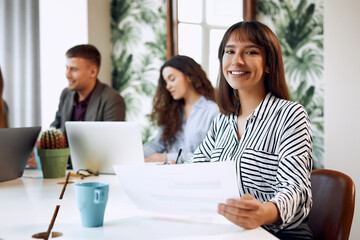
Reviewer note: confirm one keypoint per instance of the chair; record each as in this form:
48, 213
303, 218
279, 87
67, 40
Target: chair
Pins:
333, 204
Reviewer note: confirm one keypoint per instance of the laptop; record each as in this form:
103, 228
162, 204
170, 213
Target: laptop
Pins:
97, 146
16, 145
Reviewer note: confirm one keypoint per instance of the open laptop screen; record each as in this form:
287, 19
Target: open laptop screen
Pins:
97, 146
16, 145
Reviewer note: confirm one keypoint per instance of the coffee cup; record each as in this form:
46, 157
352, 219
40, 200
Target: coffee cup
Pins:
91, 199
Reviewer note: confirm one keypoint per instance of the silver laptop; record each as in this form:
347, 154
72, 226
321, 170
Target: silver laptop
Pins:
97, 146
16, 145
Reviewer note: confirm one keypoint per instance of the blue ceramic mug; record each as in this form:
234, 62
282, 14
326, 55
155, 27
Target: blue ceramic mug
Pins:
91, 199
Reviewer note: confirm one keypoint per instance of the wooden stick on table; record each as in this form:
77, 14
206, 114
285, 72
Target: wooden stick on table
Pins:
57, 208
64, 187
52, 221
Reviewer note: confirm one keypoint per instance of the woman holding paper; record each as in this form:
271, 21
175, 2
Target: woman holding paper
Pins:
184, 109
267, 136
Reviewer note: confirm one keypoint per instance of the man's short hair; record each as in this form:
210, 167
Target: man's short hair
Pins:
86, 51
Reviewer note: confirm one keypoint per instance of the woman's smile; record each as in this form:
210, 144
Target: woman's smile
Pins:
243, 64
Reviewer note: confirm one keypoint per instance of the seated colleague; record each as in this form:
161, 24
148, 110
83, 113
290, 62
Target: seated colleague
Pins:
86, 98
268, 137
183, 107
4, 120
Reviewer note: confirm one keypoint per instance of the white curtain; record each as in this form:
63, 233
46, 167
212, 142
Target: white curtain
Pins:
19, 60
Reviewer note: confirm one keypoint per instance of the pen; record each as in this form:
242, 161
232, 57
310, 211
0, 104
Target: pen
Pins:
177, 159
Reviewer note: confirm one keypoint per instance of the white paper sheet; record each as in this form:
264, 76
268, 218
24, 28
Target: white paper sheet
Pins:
184, 189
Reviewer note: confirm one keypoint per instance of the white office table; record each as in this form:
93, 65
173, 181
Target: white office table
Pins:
27, 205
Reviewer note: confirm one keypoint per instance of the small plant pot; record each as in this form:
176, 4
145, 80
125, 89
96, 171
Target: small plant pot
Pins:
54, 162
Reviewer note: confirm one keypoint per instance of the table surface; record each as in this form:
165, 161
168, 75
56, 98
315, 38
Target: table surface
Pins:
28, 203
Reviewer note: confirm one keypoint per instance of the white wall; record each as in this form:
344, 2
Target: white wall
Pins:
64, 24
342, 93
99, 34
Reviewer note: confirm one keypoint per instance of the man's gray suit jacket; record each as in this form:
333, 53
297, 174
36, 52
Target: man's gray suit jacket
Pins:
105, 104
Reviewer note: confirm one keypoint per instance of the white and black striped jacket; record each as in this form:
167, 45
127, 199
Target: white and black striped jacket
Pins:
273, 157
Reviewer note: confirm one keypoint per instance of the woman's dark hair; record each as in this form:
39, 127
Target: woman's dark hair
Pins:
168, 112
274, 80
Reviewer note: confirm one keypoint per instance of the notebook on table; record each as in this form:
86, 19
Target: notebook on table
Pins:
97, 146
16, 145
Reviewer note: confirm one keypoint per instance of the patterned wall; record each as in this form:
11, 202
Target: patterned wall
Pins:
299, 27
138, 29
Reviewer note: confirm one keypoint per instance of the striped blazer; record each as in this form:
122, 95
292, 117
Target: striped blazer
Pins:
273, 157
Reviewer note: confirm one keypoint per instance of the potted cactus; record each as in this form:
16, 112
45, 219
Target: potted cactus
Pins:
53, 153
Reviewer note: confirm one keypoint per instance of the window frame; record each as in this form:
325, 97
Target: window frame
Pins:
173, 23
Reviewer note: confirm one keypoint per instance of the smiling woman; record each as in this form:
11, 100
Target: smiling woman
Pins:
239, 75
268, 137
245, 41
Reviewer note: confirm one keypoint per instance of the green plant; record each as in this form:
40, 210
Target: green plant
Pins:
52, 139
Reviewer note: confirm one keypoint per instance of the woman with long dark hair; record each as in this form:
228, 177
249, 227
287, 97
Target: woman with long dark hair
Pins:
183, 108
267, 136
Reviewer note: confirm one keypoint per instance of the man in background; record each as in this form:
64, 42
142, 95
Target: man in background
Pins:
86, 98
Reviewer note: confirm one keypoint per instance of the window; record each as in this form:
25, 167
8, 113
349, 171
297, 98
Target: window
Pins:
200, 27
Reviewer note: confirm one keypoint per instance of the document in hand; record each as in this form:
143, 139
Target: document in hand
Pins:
186, 189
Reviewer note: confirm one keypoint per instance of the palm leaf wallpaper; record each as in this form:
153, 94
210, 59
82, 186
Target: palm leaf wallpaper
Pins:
299, 27
138, 29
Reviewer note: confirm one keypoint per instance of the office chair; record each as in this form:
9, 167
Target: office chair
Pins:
333, 204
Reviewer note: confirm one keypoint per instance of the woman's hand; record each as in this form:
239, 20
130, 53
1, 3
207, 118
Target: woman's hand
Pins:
157, 157
248, 212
